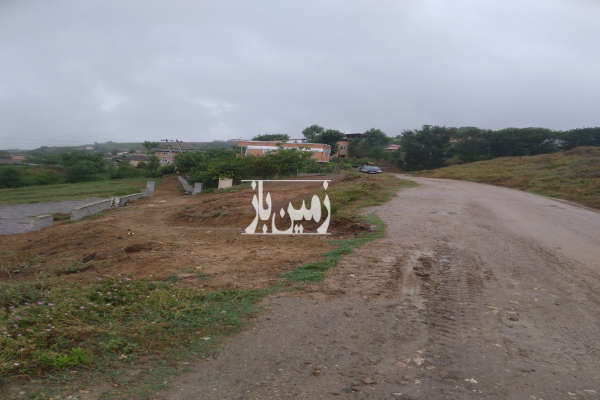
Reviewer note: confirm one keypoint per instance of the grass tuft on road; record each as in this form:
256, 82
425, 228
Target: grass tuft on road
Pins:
72, 191
571, 175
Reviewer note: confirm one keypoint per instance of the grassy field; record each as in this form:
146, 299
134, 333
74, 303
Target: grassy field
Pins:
571, 175
71, 191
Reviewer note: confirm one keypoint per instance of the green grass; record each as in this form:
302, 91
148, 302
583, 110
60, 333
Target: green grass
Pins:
315, 271
72, 191
72, 267
48, 326
571, 175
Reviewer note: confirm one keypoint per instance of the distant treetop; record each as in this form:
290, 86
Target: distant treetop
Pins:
272, 137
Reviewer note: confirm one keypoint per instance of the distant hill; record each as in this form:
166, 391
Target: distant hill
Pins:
117, 147
571, 175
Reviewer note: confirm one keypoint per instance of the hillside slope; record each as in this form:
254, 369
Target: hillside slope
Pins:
571, 175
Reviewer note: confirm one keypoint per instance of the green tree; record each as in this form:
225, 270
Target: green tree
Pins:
80, 171
330, 137
579, 137
10, 177
424, 149
95, 160
370, 144
375, 138
272, 137
152, 166
150, 145
312, 132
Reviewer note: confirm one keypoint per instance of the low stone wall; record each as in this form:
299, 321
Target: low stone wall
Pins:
91, 209
186, 186
98, 206
121, 201
42, 221
9, 226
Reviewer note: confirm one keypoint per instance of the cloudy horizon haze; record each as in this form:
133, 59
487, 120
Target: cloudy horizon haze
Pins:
77, 72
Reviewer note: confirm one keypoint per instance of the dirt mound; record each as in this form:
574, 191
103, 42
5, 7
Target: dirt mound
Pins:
235, 208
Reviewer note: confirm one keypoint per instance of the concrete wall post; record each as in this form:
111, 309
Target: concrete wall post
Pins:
197, 188
225, 183
149, 192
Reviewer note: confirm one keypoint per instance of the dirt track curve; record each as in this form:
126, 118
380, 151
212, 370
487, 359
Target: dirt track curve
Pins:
476, 292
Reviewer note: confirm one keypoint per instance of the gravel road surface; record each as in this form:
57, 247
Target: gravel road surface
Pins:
476, 292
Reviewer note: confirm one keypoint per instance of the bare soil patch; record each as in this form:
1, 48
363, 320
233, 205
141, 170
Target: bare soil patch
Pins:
174, 234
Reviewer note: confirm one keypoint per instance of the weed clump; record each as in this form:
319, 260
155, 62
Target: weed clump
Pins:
46, 326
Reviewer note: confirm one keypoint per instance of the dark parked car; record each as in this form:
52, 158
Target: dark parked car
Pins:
370, 169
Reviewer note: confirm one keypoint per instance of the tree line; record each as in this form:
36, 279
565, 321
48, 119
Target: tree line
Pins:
211, 165
436, 146
75, 166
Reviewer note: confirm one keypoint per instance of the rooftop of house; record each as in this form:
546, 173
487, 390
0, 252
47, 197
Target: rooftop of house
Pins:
243, 143
137, 157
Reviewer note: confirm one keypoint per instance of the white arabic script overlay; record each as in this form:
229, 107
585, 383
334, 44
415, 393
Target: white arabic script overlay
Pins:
263, 208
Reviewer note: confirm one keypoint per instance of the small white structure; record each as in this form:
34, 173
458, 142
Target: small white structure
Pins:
150, 185
197, 188
225, 183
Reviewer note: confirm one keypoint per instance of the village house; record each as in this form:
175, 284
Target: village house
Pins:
135, 159
166, 156
342, 149
320, 152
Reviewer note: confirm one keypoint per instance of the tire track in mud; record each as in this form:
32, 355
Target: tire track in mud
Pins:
453, 283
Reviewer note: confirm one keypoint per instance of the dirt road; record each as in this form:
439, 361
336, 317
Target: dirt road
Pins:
476, 292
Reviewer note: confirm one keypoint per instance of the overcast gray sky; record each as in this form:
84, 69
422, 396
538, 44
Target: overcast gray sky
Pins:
79, 71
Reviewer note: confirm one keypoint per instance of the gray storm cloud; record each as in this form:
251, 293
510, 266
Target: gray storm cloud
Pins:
75, 72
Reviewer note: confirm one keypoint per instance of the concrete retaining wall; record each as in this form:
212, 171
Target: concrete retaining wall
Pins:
42, 221
98, 206
9, 226
91, 209
121, 201
186, 186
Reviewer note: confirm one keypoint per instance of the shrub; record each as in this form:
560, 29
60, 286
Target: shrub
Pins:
80, 171
209, 166
10, 177
124, 171
167, 170
47, 177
